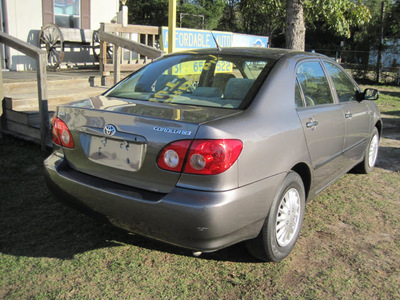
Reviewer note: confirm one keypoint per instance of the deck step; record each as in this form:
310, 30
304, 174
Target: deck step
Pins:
26, 137
20, 106
31, 86
31, 118
29, 101
23, 129
22, 87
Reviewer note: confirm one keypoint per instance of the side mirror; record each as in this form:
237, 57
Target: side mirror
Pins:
368, 94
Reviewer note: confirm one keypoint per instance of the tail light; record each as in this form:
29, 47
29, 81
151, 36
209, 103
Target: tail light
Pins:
60, 133
205, 157
172, 157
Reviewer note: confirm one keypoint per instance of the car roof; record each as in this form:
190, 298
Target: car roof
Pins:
272, 53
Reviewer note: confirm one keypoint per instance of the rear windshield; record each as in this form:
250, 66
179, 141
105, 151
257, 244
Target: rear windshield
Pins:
199, 80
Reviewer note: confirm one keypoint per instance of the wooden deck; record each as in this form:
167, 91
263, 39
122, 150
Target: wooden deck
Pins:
20, 116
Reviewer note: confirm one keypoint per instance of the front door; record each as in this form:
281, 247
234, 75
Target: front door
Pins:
323, 123
355, 113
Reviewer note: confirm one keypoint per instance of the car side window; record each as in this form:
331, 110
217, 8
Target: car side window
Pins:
345, 88
314, 83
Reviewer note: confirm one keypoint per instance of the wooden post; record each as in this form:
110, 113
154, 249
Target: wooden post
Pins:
171, 25
103, 58
117, 66
41, 62
146, 42
103, 54
380, 47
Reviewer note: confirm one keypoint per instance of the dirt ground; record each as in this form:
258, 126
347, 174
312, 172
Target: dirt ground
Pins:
389, 146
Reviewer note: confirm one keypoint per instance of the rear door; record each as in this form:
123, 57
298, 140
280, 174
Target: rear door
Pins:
322, 121
355, 113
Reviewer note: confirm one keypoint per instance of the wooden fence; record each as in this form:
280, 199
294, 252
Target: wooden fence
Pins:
139, 53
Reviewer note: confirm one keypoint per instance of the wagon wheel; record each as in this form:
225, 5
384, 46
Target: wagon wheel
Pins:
96, 47
52, 40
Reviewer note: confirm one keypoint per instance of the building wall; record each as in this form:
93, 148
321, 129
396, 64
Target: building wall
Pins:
102, 11
24, 23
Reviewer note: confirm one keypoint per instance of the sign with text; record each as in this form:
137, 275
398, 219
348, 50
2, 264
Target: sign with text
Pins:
196, 67
194, 39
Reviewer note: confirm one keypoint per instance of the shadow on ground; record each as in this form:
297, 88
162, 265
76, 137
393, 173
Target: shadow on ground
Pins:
51, 230
33, 224
393, 113
390, 93
389, 158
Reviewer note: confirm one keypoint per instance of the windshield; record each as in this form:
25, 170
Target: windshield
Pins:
199, 80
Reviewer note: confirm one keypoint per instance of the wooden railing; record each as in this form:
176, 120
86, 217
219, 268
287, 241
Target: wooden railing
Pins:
140, 52
41, 62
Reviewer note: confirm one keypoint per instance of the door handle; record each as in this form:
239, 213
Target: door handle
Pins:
312, 124
348, 115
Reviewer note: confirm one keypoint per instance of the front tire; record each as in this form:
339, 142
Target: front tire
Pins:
282, 226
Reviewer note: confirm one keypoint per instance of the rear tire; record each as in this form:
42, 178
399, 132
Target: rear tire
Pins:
282, 226
370, 156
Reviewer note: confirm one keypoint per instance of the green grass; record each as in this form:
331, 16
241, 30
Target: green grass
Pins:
389, 99
349, 245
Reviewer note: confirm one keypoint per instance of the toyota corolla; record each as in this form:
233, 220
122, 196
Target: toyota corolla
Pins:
208, 148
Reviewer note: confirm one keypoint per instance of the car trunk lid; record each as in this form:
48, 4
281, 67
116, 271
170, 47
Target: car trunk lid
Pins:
119, 140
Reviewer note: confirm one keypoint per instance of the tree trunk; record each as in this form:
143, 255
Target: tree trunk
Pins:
380, 48
295, 28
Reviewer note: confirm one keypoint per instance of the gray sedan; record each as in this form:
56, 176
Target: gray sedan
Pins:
208, 148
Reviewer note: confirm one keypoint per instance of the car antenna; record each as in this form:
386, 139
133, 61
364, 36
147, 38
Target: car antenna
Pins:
215, 40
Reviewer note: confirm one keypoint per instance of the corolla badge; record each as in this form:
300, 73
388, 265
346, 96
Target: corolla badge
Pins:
172, 130
109, 129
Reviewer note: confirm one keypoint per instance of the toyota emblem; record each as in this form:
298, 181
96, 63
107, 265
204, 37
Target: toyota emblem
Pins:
109, 130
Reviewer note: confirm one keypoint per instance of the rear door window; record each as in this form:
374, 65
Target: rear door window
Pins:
314, 83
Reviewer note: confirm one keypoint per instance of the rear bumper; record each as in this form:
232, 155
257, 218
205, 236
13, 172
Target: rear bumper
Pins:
198, 220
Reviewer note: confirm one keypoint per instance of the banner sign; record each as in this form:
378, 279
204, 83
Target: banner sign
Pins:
247, 40
194, 39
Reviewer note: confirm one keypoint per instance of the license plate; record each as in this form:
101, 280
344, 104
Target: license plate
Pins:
118, 154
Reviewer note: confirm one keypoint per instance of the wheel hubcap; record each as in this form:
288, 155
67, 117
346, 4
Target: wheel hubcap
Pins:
373, 150
288, 217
